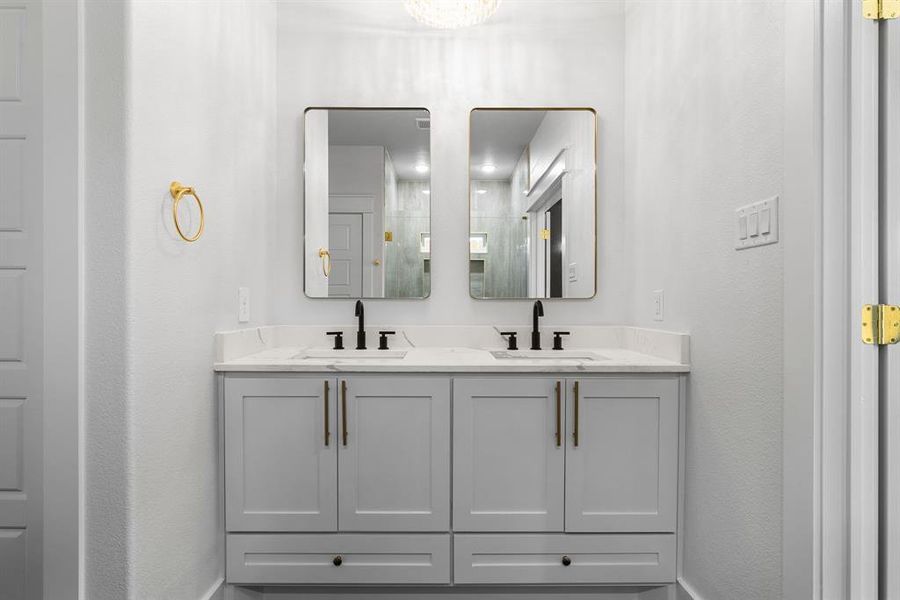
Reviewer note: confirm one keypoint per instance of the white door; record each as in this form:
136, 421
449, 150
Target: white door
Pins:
394, 454
622, 455
508, 455
20, 301
345, 243
890, 274
280, 454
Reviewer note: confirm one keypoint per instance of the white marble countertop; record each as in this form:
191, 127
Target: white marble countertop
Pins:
415, 350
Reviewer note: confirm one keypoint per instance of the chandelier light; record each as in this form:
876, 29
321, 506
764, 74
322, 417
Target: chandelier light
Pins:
451, 14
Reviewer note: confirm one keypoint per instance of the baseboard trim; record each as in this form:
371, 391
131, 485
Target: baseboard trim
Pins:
216, 592
686, 591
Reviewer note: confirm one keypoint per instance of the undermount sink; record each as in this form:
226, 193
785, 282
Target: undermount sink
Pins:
318, 353
546, 355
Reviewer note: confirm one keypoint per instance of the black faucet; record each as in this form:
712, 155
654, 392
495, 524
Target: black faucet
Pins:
535, 332
361, 332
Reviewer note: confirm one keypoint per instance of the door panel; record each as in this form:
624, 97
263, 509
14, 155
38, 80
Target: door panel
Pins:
21, 301
622, 474
395, 465
345, 243
281, 473
888, 521
508, 472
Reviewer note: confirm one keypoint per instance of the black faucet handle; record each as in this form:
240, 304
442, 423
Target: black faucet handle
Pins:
382, 340
513, 343
338, 339
557, 339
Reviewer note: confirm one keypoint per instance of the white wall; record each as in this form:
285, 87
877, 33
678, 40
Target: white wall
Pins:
704, 121
175, 90
371, 53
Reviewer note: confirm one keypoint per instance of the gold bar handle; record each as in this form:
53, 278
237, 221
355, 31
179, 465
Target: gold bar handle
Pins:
558, 414
575, 426
327, 416
344, 411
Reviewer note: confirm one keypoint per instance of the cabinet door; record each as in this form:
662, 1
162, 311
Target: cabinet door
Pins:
508, 468
622, 455
280, 454
394, 463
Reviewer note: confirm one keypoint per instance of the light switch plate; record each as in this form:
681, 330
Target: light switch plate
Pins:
573, 272
243, 305
756, 224
658, 301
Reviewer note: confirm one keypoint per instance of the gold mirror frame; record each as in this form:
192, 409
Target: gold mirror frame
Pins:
596, 196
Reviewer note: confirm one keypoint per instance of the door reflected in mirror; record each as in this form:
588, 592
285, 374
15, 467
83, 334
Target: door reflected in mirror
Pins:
532, 203
367, 204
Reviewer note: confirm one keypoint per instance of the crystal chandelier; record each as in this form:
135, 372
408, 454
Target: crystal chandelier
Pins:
451, 14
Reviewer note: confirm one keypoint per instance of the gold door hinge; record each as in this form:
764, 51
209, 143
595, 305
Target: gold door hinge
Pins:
881, 9
880, 324
545, 234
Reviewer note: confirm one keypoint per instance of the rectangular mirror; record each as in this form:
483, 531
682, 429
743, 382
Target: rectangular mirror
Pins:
367, 187
532, 203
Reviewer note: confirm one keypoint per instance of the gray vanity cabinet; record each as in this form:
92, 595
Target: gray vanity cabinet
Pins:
622, 454
346, 480
280, 454
509, 466
337, 454
613, 467
394, 465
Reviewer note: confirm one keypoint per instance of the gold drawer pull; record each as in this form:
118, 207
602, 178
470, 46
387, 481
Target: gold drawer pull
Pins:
344, 411
575, 426
327, 416
558, 414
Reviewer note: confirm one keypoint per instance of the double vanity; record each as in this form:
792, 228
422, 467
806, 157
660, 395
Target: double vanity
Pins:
449, 459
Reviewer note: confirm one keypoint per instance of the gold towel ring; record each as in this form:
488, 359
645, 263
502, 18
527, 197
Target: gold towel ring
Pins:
326, 264
178, 192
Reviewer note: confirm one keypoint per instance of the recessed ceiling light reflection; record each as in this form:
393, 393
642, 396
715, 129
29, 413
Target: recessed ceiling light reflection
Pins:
481, 191
488, 168
421, 168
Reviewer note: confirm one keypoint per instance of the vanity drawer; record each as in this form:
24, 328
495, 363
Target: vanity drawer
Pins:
540, 558
311, 559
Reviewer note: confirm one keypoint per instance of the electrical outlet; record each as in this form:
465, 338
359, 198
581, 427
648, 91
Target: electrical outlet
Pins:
243, 305
657, 305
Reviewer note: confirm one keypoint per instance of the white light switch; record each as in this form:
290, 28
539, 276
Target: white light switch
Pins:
753, 224
756, 224
657, 305
573, 272
243, 305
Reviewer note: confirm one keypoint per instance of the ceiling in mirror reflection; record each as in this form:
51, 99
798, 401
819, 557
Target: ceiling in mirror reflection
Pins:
400, 132
498, 139
367, 208
532, 203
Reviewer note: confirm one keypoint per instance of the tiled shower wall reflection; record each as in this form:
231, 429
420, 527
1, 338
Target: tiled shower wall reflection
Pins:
503, 272
407, 216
